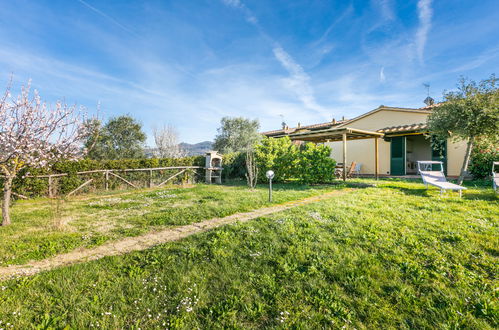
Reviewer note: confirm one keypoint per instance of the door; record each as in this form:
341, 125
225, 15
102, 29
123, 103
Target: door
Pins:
397, 159
439, 153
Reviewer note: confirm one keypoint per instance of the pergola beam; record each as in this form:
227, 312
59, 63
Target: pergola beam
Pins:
376, 158
341, 134
345, 156
335, 134
331, 139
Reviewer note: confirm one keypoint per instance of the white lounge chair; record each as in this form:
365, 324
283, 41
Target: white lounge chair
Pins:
495, 176
436, 178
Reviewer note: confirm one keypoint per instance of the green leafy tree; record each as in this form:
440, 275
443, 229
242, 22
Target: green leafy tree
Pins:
120, 138
236, 135
278, 155
470, 113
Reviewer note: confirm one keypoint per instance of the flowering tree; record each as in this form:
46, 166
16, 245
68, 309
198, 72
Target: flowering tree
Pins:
167, 143
34, 134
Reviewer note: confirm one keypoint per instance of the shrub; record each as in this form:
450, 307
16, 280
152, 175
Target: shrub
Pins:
315, 164
279, 155
39, 186
233, 165
481, 160
309, 163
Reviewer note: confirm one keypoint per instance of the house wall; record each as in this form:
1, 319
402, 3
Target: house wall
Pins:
387, 118
455, 157
362, 151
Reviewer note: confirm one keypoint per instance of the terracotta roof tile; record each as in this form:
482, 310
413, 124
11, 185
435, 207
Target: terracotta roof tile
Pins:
306, 127
403, 128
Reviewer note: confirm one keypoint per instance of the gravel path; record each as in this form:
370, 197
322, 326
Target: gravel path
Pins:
149, 240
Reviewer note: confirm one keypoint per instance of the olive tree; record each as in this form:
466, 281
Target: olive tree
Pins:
469, 113
35, 134
240, 135
236, 134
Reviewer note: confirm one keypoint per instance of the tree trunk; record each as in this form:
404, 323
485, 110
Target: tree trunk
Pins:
251, 169
7, 190
466, 161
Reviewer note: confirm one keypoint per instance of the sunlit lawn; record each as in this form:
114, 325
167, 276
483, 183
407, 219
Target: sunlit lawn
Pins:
395, 256
44, 227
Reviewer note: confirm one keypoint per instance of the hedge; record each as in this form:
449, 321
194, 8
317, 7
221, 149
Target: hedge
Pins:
32, 187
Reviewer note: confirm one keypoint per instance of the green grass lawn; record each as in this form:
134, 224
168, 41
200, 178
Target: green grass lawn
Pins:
394, 256
44, 227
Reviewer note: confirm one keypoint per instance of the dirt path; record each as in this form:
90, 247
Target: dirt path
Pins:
149, 240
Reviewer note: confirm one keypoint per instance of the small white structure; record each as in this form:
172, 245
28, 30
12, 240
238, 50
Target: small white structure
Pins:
213, 167
495, 176
436, 178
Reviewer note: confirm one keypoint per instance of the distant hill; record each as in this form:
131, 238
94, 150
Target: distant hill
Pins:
197, 148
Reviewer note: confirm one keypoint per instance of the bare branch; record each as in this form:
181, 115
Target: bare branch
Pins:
167, 143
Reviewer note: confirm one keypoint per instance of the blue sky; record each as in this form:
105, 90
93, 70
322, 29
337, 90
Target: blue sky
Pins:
189, 63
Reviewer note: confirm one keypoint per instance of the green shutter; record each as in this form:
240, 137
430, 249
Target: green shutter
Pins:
439, 153
397, 161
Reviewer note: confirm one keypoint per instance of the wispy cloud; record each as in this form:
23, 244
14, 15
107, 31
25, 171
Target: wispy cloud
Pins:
247, 12
425, 13
478, 61
233, 3
382, 77
346, 13
299, 80
385, 7
109, 18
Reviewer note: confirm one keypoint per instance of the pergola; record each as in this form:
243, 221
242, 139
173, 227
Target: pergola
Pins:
341, 134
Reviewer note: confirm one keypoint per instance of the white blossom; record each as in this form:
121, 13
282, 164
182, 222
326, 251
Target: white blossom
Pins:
33, 134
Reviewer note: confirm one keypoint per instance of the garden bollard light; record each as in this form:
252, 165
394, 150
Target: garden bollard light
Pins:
270, 176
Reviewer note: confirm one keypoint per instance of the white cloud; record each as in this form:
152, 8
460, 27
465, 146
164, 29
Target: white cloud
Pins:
247, 12
233, 3
299, 80
425, 13
109, 18
478, 61
346, 13
382, 77
385, 6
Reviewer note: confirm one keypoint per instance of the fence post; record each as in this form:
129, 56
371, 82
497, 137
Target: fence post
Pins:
107, 180
50, 187
150, 178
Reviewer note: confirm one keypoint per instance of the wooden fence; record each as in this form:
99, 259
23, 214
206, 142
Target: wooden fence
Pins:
189, 171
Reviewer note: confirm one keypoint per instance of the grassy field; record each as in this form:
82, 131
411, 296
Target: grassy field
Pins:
44, 227
391, 256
